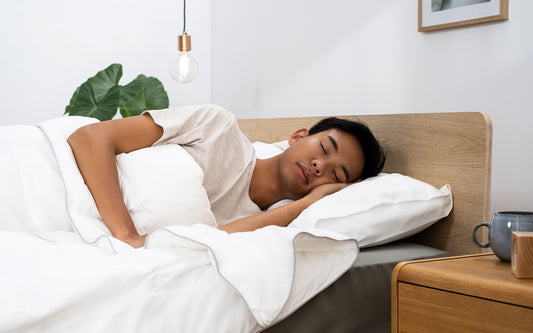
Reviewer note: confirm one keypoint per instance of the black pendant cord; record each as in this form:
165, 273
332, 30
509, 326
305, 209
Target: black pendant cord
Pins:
183, 16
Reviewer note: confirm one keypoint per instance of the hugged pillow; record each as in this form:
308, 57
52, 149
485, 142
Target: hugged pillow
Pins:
375, 211
163, 186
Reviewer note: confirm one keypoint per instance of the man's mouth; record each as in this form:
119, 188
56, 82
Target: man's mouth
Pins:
303, 173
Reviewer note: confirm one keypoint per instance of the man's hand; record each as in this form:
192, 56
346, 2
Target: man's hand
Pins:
134, 240
325, 189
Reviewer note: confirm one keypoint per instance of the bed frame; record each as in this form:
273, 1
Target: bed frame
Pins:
438, 148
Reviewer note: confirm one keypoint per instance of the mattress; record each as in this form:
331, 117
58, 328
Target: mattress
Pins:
359, 301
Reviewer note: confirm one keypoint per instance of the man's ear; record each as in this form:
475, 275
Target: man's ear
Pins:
301, 133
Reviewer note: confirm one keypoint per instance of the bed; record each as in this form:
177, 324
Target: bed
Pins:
195, 278
438, 148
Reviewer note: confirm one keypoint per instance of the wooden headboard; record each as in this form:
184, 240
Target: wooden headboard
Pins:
438, 148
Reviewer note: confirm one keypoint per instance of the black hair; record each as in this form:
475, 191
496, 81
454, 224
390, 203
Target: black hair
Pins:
374, 155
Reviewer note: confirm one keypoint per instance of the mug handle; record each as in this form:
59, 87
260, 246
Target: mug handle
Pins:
474, 238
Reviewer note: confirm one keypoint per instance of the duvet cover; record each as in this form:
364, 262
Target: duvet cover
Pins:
62, 271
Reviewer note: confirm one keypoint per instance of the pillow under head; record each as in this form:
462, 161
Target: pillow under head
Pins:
375, 211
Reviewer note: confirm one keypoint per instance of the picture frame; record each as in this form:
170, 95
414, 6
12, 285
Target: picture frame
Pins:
443, 14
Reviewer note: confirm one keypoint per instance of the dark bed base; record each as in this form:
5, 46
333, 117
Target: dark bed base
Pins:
360, 300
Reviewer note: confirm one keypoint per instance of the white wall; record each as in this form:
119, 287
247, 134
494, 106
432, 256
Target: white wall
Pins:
284, 58
48, 48
297, 57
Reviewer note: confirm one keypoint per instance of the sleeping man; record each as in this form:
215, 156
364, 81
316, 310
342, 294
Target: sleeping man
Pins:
319, 161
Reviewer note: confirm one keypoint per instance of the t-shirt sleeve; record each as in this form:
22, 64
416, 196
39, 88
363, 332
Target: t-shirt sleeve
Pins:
189, 125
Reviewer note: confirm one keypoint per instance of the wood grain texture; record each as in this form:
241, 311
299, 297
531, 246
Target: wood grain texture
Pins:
522, 254
438, 148
431, 310
474, 293
483, 276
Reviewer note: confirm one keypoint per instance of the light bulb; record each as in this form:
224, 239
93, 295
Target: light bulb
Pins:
184, 68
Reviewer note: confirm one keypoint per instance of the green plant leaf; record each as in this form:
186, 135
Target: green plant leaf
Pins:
99, 96
143, 93
72, 101
128, 92
104, 109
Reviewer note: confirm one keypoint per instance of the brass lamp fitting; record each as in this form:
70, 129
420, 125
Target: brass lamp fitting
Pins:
184, 42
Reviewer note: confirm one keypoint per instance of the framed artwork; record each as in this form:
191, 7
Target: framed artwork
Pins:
441, 14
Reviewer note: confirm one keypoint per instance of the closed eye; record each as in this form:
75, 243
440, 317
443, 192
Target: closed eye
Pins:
334, 173
323, 149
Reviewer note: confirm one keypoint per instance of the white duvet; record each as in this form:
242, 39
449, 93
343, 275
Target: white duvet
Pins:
61, 271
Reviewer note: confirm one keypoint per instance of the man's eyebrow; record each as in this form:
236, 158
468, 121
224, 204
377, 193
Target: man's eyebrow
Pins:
336, 147
334, 143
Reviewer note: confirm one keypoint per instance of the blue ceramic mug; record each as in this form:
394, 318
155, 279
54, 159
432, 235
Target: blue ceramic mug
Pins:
500, 231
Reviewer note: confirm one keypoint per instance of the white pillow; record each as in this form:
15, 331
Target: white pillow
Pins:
377, 210
163, 186
267, 150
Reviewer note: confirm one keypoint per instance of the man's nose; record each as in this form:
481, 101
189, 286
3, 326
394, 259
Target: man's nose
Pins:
318, 167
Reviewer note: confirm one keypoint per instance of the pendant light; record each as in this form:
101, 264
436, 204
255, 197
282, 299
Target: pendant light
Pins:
184, 68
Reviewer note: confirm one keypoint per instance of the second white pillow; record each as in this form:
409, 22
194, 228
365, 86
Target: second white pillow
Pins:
379, 210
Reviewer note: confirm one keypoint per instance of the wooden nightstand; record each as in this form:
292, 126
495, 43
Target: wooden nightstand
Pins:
476, 293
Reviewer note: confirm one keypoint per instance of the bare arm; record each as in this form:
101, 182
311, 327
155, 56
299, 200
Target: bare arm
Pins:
282, 216
94, 147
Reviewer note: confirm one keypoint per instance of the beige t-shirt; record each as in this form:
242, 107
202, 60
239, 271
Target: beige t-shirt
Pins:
210, 134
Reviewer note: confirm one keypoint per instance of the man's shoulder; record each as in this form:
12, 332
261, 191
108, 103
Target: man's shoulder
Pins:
202, 112
219, 111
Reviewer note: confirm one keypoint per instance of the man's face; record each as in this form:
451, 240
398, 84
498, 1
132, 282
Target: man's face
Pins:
331, 156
